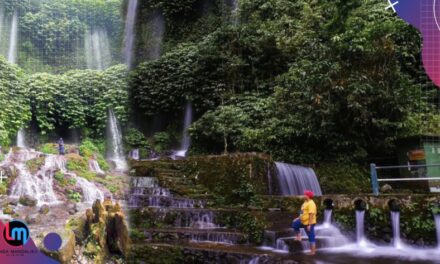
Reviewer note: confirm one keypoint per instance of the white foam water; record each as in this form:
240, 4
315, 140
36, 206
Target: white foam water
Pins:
12, 52
115, 151
21, 139
129, 33
94, 167
294, 180
97, 49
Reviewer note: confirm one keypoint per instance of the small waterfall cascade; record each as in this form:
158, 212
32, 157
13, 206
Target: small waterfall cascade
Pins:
360, 227
129, 32
281, 245
40, 185
146, 192
90, 191
328, 217
233, 5
294, 180
8, 35
21, 139
186, 140
115, 151
203, 220
437, 226
97, 49
94, 166
13, 39
215, 237
395, 222
134, 154
157, 31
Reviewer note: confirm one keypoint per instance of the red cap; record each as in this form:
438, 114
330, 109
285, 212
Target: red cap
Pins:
309, 194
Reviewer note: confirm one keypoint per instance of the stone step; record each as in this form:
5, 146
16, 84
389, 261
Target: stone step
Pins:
136, 201
191, 235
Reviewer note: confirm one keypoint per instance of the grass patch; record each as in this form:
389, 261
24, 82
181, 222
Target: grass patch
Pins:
74, 196
94, 150
80, 166
49, 148
34, 165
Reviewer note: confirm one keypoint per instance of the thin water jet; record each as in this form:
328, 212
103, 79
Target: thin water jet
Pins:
21, 139
115, 151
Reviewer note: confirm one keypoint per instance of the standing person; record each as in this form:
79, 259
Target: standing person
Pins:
307, 220
61, 146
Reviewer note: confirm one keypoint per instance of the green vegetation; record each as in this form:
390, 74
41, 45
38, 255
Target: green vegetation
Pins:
94, 149
52, 32
48, 148
74, 196
34, 165
80, 166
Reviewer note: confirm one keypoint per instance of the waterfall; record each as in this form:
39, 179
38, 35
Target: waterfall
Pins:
328, 217
134, 154
395, 222
360, 227
94, 166
97, 49
437, 226
186, 140
294, 180
157, 25
115, 151
12, 52
21, 139
39, 185
2, 25
129, 34
90, 192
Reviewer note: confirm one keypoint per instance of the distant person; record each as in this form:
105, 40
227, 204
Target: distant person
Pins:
307, 220
61, 146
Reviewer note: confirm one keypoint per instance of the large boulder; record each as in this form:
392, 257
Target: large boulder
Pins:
27, 200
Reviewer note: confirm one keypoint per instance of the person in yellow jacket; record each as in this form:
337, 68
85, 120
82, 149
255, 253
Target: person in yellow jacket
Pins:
307, 220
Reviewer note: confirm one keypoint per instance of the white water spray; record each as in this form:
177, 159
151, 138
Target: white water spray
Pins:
97, 48
115, 152
21, 138
129, 34
294, 180
437, 226
395, 222
360, 227
157, 28
12, 52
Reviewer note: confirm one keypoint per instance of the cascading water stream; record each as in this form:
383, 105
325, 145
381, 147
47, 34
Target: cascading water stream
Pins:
395, 222
90, 191
97, 49
12, 52
21, 139
186, 140
38, 185
360, 228
157, 25
328, 217
94, 166
294, 180
129, 34
115, 151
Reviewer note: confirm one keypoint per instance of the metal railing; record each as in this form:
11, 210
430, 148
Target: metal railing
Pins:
375, 180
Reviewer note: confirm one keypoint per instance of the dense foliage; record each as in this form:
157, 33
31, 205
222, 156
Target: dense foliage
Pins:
76, 99
303, 80
15, 108
52, 32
